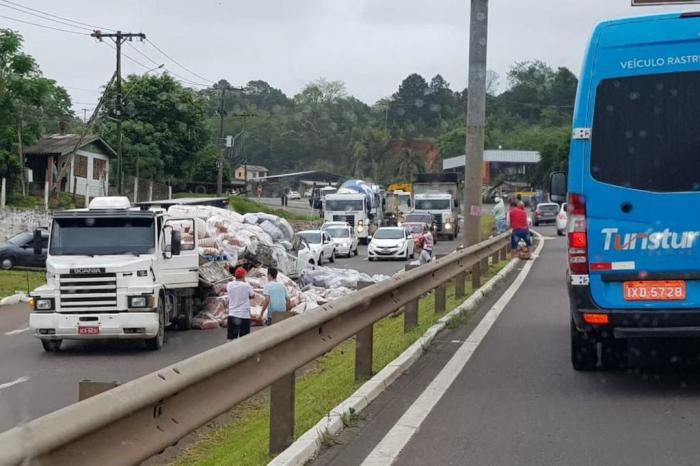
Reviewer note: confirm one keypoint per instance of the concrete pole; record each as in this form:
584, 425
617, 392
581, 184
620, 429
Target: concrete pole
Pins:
150, 191
476, 116
136, 190
3, 194
170, 192
46, 195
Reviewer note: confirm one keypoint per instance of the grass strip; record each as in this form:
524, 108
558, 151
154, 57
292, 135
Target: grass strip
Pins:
19, 280
245, 441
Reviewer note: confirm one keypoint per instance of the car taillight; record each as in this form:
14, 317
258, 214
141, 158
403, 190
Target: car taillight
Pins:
538, 213
577, 235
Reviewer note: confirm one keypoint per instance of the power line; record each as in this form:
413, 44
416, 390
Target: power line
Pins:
44, 17
178, 63
44, 26
92, 26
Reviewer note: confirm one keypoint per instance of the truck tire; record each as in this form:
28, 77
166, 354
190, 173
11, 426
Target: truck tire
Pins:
157, 342
51, 346
184, 320
584, 352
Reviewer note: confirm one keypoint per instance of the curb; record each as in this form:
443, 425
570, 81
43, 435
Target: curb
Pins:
309, 444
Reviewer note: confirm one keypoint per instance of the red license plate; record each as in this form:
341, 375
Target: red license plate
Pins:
655, 290
88, 330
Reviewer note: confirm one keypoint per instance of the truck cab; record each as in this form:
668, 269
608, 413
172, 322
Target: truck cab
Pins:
350, 208
116, 272
438, 194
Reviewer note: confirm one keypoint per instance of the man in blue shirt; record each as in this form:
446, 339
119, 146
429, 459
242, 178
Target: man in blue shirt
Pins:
276, 298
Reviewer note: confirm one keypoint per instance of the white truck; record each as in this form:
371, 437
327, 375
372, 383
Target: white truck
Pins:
438, 194
116, 272
350, 207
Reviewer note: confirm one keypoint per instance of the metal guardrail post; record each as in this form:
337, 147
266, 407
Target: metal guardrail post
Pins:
364, 348
88, 388
410, 313
440, 295
476, 275
504, 253
460, 279
282, 398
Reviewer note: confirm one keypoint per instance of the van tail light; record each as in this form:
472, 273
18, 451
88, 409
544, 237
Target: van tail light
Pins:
577, 235
538, 213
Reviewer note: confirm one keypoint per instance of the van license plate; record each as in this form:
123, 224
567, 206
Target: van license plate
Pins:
88, 330
655, 290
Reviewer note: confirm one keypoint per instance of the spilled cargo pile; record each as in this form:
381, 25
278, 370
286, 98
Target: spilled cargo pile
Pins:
255, 241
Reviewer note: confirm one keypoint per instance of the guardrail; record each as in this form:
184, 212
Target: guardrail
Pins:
134, 421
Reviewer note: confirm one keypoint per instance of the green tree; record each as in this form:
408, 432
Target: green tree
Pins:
410, 163
30, 104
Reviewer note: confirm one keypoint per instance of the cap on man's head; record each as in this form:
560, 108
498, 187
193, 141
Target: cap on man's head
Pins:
240, 273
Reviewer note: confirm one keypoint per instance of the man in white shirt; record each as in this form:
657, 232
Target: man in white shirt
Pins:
423, 256
239, 295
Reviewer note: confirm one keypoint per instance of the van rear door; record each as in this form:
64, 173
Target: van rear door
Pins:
642, 191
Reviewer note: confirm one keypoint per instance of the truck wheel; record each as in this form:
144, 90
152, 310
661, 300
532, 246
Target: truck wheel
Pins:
157, 342
51, 346
184, 321
584, 354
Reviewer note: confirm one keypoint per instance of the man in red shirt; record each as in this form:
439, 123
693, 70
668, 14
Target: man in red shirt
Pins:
519, 224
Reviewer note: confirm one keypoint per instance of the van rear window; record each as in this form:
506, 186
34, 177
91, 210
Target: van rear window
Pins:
646, 132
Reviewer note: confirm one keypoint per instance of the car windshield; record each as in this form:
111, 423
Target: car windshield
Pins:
338, 232
389, 233
433, 204
344, 205
311, 237
645, 132
21, 239
102, 236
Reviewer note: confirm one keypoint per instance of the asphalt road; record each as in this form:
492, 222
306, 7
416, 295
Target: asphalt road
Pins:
518, 400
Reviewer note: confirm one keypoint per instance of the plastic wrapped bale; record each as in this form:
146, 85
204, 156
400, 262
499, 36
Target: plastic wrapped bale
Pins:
272, 230
251, 219
286, 229
205, 321
269, 217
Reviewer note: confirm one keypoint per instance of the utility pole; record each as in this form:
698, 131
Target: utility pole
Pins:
222, 149
119, 38
476, 116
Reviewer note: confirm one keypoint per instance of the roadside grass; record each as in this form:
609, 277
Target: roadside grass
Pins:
332, 380
19, 280
244, 205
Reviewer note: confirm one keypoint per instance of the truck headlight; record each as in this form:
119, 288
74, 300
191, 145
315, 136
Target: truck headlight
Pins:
140, 301
448, 226
360, 228
43, 304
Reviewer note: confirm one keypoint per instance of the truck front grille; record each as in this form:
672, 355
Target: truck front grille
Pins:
88, 292
350, 219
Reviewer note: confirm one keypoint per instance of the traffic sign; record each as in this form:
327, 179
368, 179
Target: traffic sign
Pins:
663, 2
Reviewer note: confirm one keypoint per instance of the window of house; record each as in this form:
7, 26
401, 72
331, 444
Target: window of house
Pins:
81, 166
98, 169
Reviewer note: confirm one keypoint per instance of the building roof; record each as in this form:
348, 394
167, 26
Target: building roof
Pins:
498, 156
254, 168
63, 144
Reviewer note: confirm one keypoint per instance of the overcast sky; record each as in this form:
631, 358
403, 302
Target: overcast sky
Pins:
371, 45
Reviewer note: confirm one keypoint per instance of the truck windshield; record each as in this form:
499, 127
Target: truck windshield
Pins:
433, 204
344, 204
645, 132
102, 236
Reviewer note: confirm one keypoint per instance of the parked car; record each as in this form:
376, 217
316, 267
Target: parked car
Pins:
391, 243
562, 218
343, 236
546, 212
416, 230
321, 242
293, 195
18, 251
423, 217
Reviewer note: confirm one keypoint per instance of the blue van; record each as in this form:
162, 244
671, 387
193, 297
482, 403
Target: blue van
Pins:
634, 188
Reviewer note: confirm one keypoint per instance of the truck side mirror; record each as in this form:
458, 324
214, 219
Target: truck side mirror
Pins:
457, 203
175, 242
557, 187
36, 243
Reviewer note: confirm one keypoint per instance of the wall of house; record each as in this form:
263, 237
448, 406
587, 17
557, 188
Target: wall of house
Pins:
88, 185
13, 221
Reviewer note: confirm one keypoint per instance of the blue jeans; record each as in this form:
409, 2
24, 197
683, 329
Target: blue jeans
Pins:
517, 236
501, 225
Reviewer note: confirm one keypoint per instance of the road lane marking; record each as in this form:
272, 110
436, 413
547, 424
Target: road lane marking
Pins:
18, 331
14, 382
389, 448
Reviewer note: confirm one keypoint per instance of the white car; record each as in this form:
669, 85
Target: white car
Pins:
293, 195
391, 243
321, 244
302, 255
562, 219
343, 236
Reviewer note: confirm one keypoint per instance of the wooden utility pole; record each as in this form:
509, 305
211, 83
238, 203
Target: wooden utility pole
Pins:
476, 116
222, 145
119, 38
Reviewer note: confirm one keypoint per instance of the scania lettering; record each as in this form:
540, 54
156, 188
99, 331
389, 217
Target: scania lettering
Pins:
634, 177
116, 272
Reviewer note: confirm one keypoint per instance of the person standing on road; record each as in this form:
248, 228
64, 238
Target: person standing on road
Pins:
276, 298
499, 213
428, 243
239, 295
519, 224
